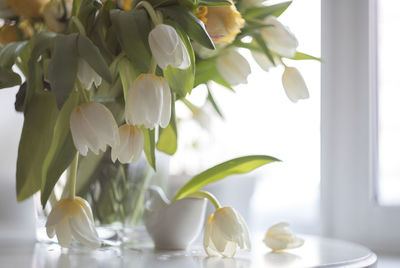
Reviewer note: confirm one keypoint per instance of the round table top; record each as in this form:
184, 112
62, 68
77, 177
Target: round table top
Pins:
316, 252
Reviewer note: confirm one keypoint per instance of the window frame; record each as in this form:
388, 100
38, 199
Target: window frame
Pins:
349, 137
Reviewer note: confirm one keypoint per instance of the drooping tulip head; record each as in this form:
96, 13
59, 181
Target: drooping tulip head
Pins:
131, 144
225, 232
168, 48
93, 127
279, 237
233, 67
148, 102
294, 84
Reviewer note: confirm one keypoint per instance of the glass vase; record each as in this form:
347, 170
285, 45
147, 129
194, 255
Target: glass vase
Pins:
115, 193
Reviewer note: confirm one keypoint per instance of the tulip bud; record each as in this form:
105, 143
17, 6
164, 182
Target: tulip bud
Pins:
131, 144
279, 38
87, 76
93, 126
294, 84
233, 67
168, 48
262, 60
148, 102
225, 232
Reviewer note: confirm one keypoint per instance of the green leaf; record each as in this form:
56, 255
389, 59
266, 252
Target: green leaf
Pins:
168, 137
87, 14
132, 29
63, 67
303, 56
211, 3
88, 166
61, 151
190, 24
127, 74
37, 132
260, 41
235, 166
182, 81
265, 11
9, 53
213, 103
8, 78
206, 70
91, 54
149, 146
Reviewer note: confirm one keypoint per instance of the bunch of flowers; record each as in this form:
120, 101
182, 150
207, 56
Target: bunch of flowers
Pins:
93, 74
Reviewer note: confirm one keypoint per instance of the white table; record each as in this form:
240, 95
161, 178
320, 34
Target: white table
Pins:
316, 252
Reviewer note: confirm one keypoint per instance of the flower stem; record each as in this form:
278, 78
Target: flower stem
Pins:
209, 196
153, 66
72, 170
82, 91
150, 10
79, 25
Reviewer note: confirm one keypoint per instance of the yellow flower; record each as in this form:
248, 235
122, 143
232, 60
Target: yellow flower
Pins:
222, 23
124, 4
8, 34
27, 8
72, 219
225, 232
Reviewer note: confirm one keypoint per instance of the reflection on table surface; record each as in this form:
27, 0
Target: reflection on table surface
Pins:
315, 252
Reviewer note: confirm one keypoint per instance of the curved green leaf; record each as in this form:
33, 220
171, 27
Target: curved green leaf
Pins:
9, 53
149, 147
8, 78
40, 117
61, 151
265, 11
304, 56
63, 67
132, 29
190, 24
91, 54
168, 137
211, 3
235, 166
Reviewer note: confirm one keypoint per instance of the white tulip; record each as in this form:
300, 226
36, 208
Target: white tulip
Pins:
87, 75
93, 126
262, 60
279, 237
148, 102
168, 48
225, 232
72, 219
131, 144
279, 38
294, 84
233, 67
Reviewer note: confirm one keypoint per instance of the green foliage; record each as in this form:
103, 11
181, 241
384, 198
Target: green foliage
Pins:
132, 29
168, 137
150, 146
304, 56
213, 3
9, 53
264, 48
206, 70
181, 81
235, 166
8, 78
190, 24
61, 151
63, 67
127, 74
37, 133
265, 11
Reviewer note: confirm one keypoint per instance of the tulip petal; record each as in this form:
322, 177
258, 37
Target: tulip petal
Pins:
262, 60
56, 214
77, 135
294, 84
233, 67
230, 250
63, 232
51, 231
166, 107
